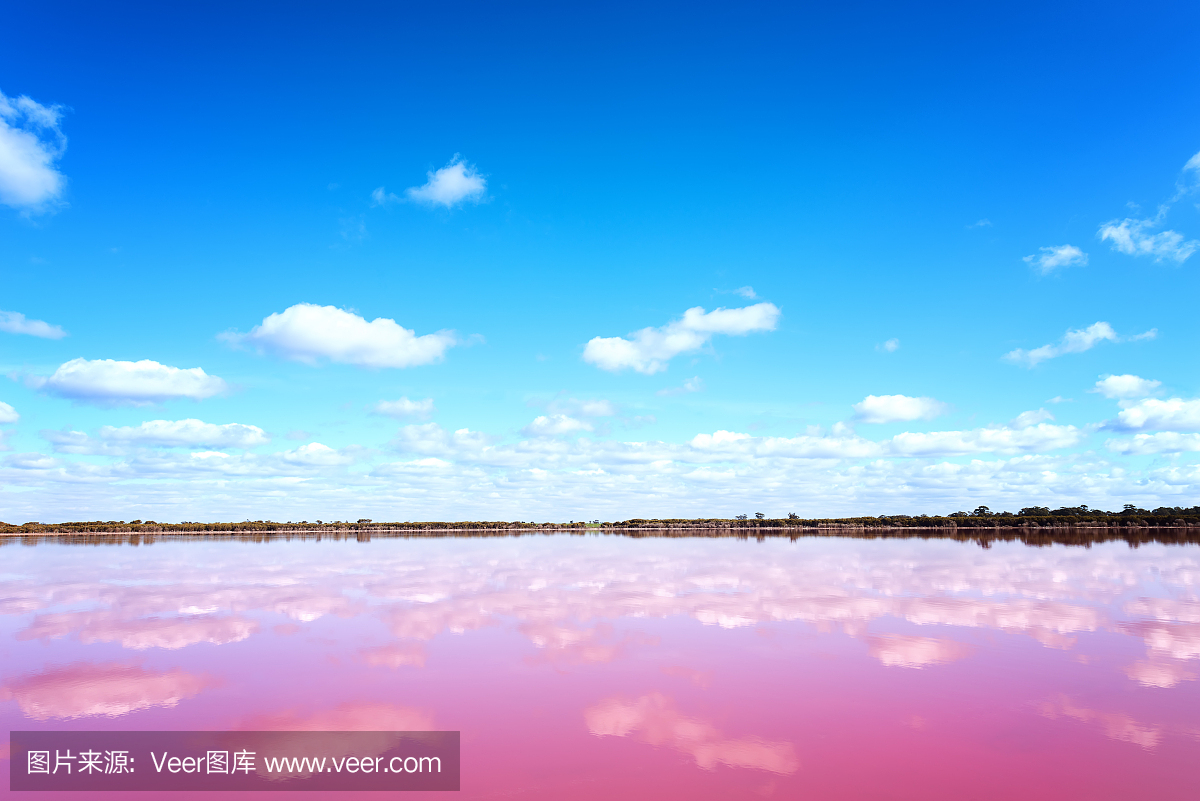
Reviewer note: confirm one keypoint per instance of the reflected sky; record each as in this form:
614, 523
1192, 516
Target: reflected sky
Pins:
585, 666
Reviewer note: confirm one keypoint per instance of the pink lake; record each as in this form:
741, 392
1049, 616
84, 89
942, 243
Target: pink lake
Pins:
607, 667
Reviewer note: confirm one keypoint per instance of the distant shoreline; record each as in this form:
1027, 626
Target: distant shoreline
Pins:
1031, 529
1079, 517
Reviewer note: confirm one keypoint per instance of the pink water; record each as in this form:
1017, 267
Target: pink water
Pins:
599, 667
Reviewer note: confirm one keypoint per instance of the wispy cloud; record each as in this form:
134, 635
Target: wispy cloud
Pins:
583, 407
1124, 387
109, 382
1031, 418
984, 223
746, 292
457, 182
17, 323
1047, 260
693, 384
1132, 237
1074, 341
307, 332
648, 350
381, 197
31, 144
897, 408
405, 408
187, 433
1189, 178
554, 424
890, 346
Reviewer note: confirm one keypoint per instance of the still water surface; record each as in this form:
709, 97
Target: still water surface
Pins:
601, 667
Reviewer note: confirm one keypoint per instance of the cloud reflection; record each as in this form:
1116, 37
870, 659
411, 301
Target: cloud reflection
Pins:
169, 633
653, 719
1115, 725
901, 650
107, 690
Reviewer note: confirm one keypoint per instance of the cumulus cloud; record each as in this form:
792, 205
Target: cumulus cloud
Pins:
891, 346
648, 350
1133, 238
17, 323
455, 183
1173, 414
1047, 260
187, 433
31, 144
307, 332
1162, 442
8, 414
111, 382
1126, 386
895, 408
552, 425
1074, 341
404, 407
1001, 439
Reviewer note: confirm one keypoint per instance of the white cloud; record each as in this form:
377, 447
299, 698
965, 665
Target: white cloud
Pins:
317, 455
895, 408
1052, 258
452, 184
984, 223
746, 292
380, 197
693, 384
30, 145
596, 407
1027, 419
551, 425
648, 350
8, 414
1174, 414
187, 433
891, 346
1126, 386
17, 323
106, 381
1074, 341
1132, 238
1189, 178
306, 332
404, 407
1162, 442
1028, 439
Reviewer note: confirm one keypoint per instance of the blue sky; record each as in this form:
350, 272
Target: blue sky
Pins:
411, 250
